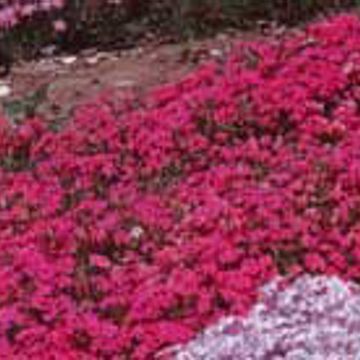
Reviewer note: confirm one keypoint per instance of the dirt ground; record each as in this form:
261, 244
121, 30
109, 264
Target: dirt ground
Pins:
56, 84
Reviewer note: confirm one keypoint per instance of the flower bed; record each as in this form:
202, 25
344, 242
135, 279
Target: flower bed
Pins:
314, 318
143, 221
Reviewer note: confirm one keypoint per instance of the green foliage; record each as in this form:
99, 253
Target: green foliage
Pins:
18, 109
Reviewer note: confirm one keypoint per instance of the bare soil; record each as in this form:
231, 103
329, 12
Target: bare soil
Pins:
64, 82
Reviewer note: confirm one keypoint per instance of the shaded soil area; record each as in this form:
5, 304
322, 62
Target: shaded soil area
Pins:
52, 86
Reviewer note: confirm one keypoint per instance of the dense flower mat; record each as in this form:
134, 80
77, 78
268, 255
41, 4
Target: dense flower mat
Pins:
142, 222
316, 318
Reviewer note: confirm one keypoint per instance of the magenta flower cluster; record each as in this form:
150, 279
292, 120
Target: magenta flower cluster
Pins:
145, 219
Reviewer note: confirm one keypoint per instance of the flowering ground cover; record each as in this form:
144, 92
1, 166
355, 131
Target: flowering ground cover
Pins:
315, 318
144, 220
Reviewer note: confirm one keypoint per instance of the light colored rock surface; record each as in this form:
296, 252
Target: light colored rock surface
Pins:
68, 60
5, 90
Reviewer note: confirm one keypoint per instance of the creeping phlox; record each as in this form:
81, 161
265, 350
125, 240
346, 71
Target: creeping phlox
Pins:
313, 318
143, 221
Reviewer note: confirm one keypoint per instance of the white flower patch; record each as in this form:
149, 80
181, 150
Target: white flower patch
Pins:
314, 318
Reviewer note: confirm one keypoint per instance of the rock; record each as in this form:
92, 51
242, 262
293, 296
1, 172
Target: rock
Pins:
97, 57
46, 65
125, 83
217, 53
89, 52
5, 90
92, 60
68, 60
48, 50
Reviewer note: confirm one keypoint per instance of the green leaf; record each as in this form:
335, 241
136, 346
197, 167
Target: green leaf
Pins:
13, 108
